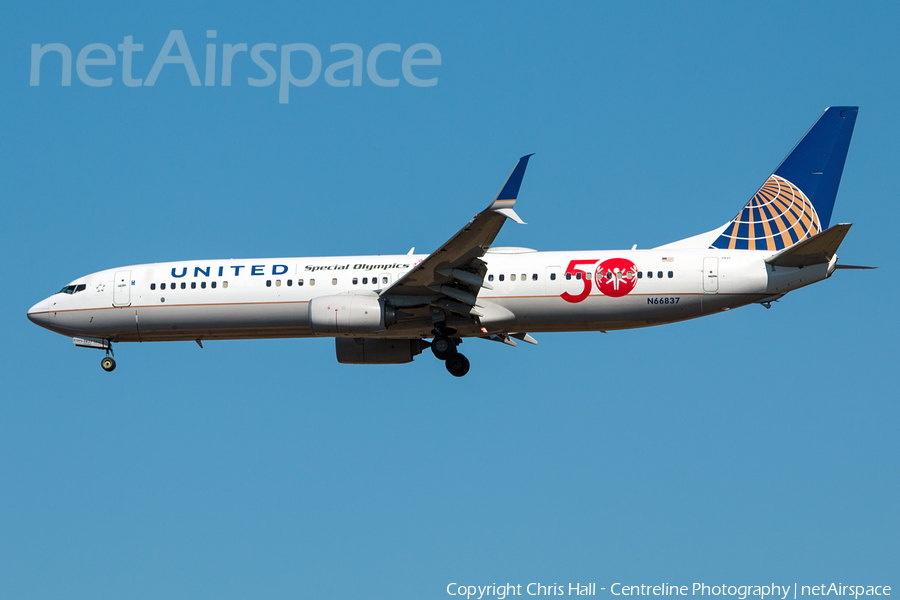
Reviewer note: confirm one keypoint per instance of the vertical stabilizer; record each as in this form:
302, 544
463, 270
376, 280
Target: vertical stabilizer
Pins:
797, 200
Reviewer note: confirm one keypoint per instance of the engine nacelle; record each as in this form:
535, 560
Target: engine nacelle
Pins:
349, 315
359, 351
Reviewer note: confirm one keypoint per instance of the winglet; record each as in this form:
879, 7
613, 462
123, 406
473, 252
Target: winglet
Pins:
506, 199
510, 189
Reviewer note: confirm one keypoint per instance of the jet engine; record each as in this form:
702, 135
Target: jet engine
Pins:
349, 315
360, 351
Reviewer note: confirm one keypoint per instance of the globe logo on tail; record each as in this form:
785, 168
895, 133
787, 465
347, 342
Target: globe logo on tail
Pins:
616, 277
777, 217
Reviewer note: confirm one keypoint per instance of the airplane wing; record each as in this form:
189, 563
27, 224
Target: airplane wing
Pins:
452, 275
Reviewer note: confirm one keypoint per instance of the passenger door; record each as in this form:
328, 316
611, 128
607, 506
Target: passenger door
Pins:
122, 288
710, 275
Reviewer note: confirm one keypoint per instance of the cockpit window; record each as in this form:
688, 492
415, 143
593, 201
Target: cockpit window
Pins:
71, 289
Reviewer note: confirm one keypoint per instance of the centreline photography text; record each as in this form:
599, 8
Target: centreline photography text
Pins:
740, 591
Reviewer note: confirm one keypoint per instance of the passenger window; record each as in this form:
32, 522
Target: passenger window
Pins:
290, 283
172, 286
671, 274
183, 285
578, 276
334, 281
355, 281
568, 276
193, 285
512, 277
587, 276
152, 286
202, 285
277, 283
640, 274
365, 280
490, 277
299, 283
384, 280
524, 277
649, 274
500, 277
534, 277
552, 276
312, 282
224, 284
214, 285
659, 274
162, 286
268, 283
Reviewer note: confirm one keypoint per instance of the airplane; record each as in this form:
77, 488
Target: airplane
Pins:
385, 309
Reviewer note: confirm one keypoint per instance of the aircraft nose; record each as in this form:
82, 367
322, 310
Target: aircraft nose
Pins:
39, 314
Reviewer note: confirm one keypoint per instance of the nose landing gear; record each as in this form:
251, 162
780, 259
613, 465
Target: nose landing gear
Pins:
108, 363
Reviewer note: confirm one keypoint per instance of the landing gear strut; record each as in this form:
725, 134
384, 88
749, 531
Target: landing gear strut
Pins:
444, 348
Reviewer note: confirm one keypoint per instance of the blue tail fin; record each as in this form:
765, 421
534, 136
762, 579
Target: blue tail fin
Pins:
796, 201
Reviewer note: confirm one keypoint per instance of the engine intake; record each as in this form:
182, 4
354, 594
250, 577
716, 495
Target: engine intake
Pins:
348, 315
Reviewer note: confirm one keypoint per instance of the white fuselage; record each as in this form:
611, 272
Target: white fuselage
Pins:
269, 298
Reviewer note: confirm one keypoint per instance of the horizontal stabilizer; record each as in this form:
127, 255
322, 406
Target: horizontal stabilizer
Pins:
816, 250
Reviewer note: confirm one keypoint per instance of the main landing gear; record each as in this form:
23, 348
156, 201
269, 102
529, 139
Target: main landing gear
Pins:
444, 348
458, 365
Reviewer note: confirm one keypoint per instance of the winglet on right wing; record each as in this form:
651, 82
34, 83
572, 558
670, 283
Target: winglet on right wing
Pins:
506, 199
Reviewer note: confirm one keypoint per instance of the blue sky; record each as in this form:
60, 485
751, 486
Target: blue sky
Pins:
756, 446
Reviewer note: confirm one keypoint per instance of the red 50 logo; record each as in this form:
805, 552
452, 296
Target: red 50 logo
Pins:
615, 277
573, 270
